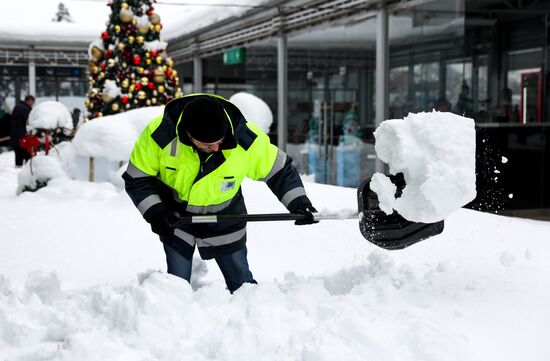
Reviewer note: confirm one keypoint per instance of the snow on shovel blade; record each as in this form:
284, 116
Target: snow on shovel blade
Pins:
390, 231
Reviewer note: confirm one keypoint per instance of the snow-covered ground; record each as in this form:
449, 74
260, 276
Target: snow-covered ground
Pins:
83, 278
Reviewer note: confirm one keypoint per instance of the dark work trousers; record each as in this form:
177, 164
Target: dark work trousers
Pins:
21, 155
234, 267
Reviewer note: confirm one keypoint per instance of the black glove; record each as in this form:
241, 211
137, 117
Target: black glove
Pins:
161, 224
308, 210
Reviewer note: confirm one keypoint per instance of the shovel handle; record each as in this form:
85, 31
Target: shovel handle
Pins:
269, 217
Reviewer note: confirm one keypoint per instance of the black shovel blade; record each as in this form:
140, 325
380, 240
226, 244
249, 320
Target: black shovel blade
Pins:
390, 231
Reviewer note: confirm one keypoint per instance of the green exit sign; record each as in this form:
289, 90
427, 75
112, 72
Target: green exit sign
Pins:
234, 56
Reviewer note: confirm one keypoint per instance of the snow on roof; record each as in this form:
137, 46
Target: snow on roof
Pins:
31, 20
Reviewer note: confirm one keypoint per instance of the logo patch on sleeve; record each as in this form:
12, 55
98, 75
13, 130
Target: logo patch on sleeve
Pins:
227, 185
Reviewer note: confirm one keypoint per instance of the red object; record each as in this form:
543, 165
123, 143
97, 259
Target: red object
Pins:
138, 86
124, 99
30, 143
47, 142
154, 53
136, 59
151, 85
102, 66
530, 82
108, 53
104, 35
169, 73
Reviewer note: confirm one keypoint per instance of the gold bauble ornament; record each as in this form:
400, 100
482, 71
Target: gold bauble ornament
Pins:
101, 75
125, 83
140, 70
115, 107
124, 65
140, 39
148, 102
147, 54
131, 88
126, 15
158, 28
131, 39
152, 27
106, 97
179, 93
143, 29
130, 95
95, 70
164, 68
159, 76
99, 114
127, 106
161, 89
154, 100
134, 21
141, 95
87, 103
135, 101
144, 81
159, 60
96, 52
121, 46
170, 62
148, 61
94, 91
117, 29
132, 75
111, 62
124, 6
154, 18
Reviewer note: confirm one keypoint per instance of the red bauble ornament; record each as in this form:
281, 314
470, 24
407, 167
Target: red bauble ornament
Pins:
151, 85
124, 99
138, 86
154, 53
150, 12
136, 59
104, 35
102, 66
169, 73
108, 53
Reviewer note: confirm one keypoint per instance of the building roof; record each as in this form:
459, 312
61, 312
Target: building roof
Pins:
29, 22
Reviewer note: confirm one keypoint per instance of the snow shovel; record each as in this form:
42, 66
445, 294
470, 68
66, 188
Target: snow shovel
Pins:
387, 231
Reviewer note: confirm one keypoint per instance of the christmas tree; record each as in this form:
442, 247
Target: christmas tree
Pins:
129, 66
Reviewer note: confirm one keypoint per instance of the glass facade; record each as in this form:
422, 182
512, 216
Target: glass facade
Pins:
480, 59
66, 85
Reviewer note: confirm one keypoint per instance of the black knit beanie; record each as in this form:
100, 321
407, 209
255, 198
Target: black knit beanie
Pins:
204, 118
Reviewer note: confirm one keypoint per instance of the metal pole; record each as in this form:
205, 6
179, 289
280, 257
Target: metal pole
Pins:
197, 75
382, 73
32, 74
282, 91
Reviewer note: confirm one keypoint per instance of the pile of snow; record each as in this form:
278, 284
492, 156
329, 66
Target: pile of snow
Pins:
113, 136
50, 115
78, 285
436, 153
254, 109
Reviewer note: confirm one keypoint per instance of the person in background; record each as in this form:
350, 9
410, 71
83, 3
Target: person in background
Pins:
5, 125
19, 119
76, 118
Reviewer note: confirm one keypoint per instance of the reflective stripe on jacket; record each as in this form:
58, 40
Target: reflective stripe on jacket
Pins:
166, 172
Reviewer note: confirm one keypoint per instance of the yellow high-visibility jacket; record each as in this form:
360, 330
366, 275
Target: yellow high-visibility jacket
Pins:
167, 172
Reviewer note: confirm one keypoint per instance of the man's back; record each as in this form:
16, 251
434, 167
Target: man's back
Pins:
19, 118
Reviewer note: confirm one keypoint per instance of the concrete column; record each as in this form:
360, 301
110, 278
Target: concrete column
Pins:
32, 75
197, 75
382, 73
282, 91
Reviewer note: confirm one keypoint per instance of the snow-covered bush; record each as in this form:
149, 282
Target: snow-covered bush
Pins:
40, 169
254, 109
